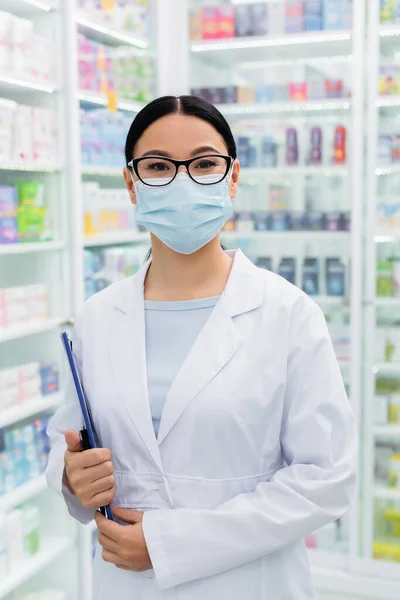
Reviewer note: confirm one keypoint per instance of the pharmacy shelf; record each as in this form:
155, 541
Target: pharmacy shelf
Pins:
23, 493
388, 170
9, 84
31, 248
303, 236
52, 549
23, 330
306, 106
27, 8
390, 431
332, 171
116, 237
107, 35
386, 493
99, 171
316, 38
324, 301
389, 31
387, 302
388, 101
98, 99
30, 167
387, 236
29, 409
386, 368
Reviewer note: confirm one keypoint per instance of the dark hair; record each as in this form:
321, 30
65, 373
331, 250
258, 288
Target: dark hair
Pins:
185, 105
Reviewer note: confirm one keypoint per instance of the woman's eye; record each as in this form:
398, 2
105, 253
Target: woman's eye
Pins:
158, 167
205, 164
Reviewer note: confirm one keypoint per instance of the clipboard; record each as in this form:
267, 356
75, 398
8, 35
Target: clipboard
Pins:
87, 433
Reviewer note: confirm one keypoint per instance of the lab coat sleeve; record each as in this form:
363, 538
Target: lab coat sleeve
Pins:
318, 440
68, 416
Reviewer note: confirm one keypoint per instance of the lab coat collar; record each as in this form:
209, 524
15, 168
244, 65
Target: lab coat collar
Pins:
215, 346
243, 291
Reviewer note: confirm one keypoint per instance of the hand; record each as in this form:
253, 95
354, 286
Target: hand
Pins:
89, 474
124, 545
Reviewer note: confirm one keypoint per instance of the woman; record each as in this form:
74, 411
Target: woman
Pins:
225, 428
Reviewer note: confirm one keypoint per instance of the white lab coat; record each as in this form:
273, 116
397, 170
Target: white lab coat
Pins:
256, 446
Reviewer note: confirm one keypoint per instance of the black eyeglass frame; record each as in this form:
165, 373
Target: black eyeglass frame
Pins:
133, 167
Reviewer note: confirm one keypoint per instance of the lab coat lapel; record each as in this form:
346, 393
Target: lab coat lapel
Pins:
217, 343
128, 358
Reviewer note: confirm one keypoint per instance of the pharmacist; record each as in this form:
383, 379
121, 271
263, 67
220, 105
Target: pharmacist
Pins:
225, 428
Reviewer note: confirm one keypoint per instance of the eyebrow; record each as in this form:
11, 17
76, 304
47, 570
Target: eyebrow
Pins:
200, 150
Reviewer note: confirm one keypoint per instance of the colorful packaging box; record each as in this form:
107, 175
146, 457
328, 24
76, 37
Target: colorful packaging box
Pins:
298, 91
246, 94
313, 15
210, 22
338, 14
8, 215
243, 21
276, 18
294, 16
226, 21
258, 15
196, 24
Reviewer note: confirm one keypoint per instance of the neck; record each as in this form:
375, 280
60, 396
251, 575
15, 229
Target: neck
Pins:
179, 277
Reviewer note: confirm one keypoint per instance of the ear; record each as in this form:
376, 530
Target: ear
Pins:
234, 182
130, 185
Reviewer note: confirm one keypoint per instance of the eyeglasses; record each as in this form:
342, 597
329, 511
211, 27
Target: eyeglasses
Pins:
157, 171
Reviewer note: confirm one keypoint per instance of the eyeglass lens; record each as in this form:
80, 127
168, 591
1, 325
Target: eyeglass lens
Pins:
204, 170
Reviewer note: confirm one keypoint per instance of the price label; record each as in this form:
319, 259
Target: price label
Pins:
112, 103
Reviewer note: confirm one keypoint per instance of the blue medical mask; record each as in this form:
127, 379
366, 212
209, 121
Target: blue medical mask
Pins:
184, 215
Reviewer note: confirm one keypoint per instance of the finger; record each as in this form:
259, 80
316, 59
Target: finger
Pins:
110, 557
113, 558
97, 472
102, 499
109, 528
73, 441
95, 457
101, 486
126, 515
109, 544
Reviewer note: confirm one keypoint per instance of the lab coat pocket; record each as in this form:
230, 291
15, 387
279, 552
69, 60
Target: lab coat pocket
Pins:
140, 491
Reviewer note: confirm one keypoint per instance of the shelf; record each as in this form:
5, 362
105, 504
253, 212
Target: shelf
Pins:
389, 31
98, 99
27, 8
29, 409
386, 368
116, 237
23, 493
330, 300
286, 235
388, 170
107, 35
11, 83
334, 171
314, 38
31, 248
285, 107
388, 101
387, 302
23, 330
99, 171
392, 431
52, 549
30, 167
386, 493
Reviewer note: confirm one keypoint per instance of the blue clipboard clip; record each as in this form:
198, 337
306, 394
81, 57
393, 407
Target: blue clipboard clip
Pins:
87, 434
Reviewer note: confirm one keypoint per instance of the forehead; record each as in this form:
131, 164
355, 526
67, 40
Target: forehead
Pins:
179, 135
